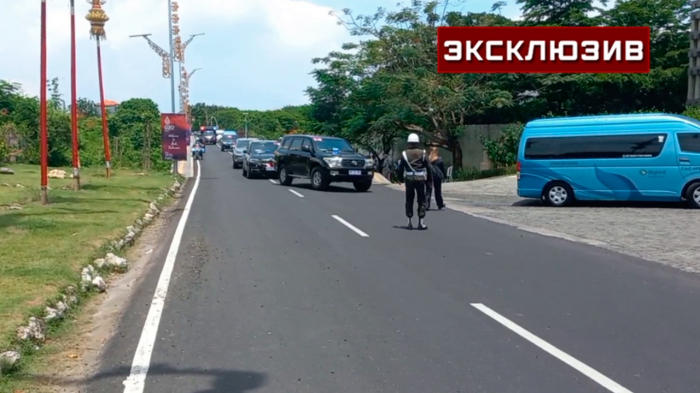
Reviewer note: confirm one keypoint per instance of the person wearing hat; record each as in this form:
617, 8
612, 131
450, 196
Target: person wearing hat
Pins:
414, 172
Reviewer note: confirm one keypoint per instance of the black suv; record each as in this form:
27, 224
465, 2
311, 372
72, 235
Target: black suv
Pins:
324, 160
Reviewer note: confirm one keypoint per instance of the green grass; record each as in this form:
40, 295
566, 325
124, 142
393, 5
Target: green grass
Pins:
42, 248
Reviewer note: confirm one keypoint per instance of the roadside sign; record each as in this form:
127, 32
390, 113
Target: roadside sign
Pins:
175, 136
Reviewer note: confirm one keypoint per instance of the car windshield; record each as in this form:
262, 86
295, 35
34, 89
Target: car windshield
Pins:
263, 147
242, 145
330, 144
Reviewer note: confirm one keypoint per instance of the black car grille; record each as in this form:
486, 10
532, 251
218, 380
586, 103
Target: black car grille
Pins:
353, 163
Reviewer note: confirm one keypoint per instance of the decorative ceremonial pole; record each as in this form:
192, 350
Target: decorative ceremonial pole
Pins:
74, 101
43, 116
97, 18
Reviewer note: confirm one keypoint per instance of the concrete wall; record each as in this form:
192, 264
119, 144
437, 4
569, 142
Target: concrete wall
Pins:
473, 154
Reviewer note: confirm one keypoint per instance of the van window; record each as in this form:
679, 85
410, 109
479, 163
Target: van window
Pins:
690, 142
595, 147
286, 143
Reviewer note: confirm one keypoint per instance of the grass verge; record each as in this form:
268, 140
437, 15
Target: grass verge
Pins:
42, 248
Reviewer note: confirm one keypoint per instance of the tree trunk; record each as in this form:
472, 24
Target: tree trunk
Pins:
456, 150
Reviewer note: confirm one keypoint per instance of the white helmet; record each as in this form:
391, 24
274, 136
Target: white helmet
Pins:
413, 138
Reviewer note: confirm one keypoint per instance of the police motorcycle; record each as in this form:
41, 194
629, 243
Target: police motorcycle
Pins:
198, 150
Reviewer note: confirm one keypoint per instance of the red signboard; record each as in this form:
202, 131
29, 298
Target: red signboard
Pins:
543, 50
176, 136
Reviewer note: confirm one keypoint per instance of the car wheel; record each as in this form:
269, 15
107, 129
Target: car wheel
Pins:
693, 195
362, 186
285, 179
319, 179
558, 194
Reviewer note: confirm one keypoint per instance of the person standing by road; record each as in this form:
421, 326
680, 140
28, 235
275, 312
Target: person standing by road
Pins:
414, 172
437, 167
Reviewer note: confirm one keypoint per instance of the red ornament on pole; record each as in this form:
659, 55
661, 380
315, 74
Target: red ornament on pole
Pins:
97, 18
44, 133
74, 101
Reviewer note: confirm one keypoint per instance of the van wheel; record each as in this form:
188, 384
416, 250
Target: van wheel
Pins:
558, 194
693, 196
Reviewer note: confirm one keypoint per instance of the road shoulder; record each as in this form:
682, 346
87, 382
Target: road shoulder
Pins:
83, 348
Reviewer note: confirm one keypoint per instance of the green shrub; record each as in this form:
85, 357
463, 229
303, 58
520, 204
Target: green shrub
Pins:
503, 150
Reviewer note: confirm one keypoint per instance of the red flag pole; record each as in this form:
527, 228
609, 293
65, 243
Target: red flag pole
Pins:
44, 137
105, 130
74, 101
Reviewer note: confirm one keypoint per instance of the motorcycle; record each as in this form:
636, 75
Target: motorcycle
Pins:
198, 152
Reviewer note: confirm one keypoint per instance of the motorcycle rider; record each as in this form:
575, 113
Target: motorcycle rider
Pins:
199, 149
414, 172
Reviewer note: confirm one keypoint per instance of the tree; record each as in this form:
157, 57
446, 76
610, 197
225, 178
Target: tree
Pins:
388, 85
88, 108
560, 12
56, 100
136, 126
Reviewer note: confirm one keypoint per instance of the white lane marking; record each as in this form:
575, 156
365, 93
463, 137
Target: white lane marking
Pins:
347, 224
552, 350
273, 181
136, 382
296, 193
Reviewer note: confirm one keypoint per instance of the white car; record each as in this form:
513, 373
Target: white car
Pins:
219, 134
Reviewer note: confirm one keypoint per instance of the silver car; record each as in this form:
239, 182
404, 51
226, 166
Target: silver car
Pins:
239, 150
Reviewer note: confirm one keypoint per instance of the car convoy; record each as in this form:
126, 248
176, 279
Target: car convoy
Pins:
320, 159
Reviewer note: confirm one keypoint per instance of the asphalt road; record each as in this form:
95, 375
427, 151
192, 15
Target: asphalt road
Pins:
271, 293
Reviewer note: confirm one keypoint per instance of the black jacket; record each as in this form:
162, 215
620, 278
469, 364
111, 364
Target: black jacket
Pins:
417, 160
440, 165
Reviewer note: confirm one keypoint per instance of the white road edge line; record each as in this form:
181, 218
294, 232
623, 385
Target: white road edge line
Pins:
552, 350
347, 224
296, 193
136, 382
273, 181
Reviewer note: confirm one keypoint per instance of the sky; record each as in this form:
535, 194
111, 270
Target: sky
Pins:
254, 54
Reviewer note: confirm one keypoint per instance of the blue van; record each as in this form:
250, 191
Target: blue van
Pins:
638, 157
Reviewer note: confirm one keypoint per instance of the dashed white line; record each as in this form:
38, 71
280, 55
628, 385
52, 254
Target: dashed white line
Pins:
296, 193
136, 382
273, 181
347, 224
552, 350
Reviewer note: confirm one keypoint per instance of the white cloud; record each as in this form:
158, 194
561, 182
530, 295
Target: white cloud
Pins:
300, 29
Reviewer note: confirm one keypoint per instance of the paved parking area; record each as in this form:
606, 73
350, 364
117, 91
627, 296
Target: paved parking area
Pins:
669, 234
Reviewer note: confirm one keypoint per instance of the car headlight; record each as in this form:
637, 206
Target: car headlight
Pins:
333, 162
369, 163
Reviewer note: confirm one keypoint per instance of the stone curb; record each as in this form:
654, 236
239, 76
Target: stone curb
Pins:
33, 334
